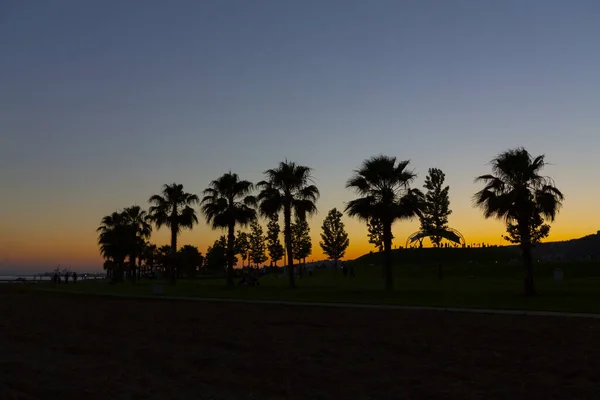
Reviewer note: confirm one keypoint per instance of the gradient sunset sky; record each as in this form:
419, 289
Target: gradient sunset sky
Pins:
102, 102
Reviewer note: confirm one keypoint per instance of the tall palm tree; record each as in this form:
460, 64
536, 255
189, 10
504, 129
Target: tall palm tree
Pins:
227, 202
288, 188
517, 193
115, 242
173, 208
383, 185
139, 222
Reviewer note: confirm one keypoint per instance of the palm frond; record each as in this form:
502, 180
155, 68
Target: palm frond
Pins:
410, 205
363, 208
172, 208
549, 200
310, 193
515, 191
227, 202
383, 183
304, 207
270, 202
187, 218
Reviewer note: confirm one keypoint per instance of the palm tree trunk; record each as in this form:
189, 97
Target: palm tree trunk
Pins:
230, 255
173, 260
529, 284
528, 263
287, 214
387, 256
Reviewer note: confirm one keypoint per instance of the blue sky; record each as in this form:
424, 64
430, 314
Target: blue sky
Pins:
102, 102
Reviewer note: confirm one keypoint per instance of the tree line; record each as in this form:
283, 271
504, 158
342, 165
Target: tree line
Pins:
514, 192
227, 203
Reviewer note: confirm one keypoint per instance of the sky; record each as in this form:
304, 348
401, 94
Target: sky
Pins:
104, 101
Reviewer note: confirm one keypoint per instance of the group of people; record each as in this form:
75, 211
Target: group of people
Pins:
56, 277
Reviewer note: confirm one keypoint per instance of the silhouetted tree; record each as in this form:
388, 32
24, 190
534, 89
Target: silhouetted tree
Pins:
334, 239
257, 247
274, 245
139, 223
384, 187
302, 243
375, 233
516, 193
216, 256
242, 245
173, 208
190, 260
288, 188
116, 241
227, 203
538, 230
436, 206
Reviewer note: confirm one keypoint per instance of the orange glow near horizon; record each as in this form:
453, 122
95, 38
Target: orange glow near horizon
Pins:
33, 237
46, 251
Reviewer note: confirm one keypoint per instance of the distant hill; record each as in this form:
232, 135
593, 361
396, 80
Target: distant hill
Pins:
429, 255
585, 248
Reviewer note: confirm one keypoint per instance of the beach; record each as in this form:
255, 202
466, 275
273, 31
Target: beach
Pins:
73, 347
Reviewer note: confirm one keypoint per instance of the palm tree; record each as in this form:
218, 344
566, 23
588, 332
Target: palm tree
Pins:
517, 193
115, 242
227, 202
289, 187
173, 208
139, 222
385, 195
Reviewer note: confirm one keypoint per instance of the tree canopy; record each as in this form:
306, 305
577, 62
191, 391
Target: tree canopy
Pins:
334, 238
375, 233
274, 246
436, 206
301, 239
257, 246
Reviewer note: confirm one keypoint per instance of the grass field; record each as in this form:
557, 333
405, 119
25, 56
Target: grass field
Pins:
469, 285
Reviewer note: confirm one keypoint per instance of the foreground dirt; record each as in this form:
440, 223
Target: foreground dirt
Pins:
76, 347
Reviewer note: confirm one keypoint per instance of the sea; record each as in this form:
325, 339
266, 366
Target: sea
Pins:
8, 278
26, 277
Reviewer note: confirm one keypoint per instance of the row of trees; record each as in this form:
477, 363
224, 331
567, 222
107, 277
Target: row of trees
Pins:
251, 247
514, 192
255, 247
226, 204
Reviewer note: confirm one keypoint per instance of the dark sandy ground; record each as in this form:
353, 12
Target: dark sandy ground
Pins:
83, 347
